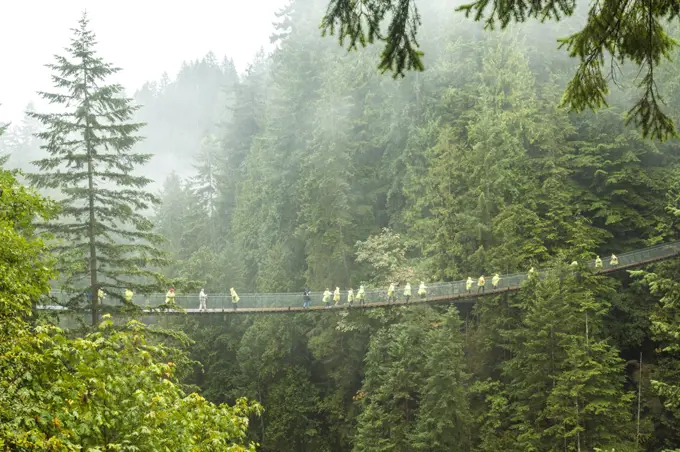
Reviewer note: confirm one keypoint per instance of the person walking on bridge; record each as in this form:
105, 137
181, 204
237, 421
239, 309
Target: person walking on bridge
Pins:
170, 296
128, 296
202, 297
336, 297
101, 296
327, 298
468, 284
350, 297
532, 272
614, 261
481, 282
598, 262
407, 292
361, 295
390, 293
422, 290
494, 281
234, 298
307, 298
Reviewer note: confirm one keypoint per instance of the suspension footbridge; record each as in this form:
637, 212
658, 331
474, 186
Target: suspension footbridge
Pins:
446, 292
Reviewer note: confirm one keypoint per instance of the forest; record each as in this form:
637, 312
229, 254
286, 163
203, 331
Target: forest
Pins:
314, 169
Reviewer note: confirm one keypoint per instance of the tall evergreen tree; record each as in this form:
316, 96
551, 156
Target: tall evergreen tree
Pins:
107, 240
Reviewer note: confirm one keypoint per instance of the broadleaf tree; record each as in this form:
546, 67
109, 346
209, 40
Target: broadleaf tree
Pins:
108, 243
116, 388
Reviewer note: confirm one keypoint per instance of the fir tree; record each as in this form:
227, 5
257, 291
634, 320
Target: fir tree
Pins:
565, 380
204, 189
106, 237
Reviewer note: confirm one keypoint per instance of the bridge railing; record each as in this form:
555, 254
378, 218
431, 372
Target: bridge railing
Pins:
434, 290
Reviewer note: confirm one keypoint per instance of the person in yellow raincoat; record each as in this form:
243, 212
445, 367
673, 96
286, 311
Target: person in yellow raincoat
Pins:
598, 262
361, 295
468, 284
614, 261
407, 292
422, 290
481, 283
234, 298
170, 296
350, 297
128, 295
336, 297
327, 298
390, 293
532, 272
494, 281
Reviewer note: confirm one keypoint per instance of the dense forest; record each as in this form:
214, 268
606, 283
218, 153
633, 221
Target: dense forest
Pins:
313, 169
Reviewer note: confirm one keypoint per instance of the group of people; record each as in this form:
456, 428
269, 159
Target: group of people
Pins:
360, 296
422, 290
170, 298
203, 299
481, 282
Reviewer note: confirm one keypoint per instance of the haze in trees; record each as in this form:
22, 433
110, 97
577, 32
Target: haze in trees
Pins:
473, 170
311, 169
616, 30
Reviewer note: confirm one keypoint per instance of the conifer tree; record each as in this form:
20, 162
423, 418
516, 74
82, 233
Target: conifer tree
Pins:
203, 189
108, 242
565, 379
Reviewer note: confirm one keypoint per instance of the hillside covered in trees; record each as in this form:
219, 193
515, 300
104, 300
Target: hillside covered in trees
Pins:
474, 170
312, 169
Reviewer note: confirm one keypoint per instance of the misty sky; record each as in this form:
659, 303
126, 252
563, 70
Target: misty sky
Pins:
143, 37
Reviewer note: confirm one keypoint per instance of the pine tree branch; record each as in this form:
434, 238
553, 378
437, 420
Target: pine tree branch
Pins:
626, 30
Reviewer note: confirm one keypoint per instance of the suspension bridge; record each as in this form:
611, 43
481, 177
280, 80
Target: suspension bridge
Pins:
446, 292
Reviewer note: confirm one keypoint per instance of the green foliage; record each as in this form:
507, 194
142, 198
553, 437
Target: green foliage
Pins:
25, 265
404, 404
621, 31
108, 390
472, 168
563, 383
662, 284
113, 389
107, 241
386, 256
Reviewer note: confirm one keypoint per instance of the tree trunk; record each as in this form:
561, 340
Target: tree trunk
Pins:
94, 285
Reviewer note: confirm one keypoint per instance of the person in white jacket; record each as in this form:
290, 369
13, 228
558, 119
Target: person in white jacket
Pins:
202, 297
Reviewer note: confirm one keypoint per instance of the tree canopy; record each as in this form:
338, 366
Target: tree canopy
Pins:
615, 30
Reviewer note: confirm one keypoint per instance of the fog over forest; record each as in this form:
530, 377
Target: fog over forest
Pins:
446, 261
183, 101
